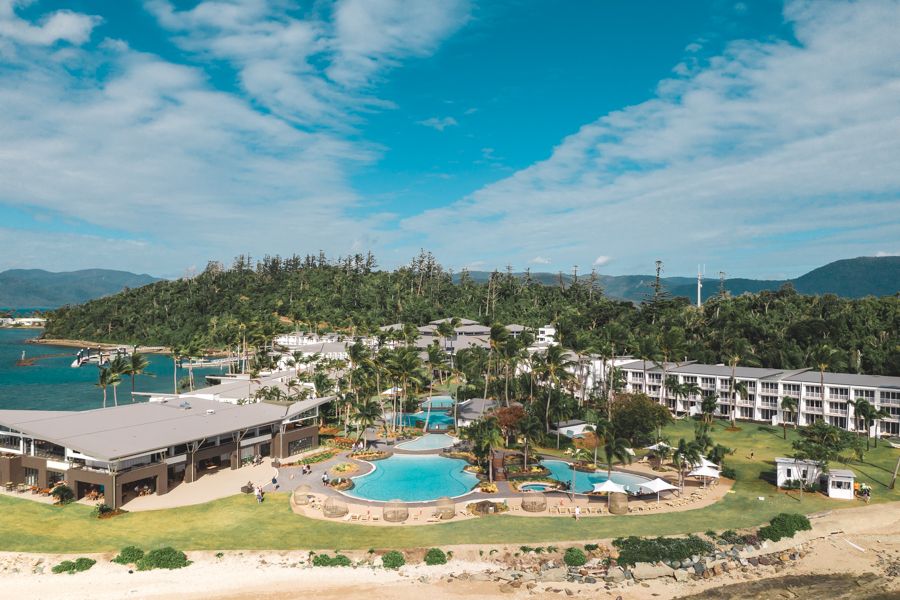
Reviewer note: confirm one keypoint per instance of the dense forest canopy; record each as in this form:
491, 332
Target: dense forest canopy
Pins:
217, 308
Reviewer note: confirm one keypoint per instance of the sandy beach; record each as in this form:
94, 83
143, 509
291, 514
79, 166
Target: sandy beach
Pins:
847, 543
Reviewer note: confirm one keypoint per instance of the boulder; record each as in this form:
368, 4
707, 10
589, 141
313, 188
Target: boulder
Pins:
682, 575
615, 575
557, 574
642, 571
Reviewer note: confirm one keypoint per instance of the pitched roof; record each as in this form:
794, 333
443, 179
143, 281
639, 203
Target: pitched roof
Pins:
132, 429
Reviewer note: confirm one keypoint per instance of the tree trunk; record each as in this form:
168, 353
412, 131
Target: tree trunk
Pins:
894, 477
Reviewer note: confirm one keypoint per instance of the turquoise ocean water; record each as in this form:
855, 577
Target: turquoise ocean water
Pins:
51, 384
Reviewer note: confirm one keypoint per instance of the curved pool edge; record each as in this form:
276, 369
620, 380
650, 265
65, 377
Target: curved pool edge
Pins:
574, 493
375, 467
401, 444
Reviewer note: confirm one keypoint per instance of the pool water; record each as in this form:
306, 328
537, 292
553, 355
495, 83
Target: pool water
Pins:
439, 403
534, 487
429, 441
414, 479
436, 420
584, 482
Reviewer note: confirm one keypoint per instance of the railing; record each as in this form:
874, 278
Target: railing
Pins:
61, 457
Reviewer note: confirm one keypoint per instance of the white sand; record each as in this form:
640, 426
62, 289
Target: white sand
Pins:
263, 575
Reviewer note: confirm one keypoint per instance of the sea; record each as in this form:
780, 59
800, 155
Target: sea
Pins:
52, 384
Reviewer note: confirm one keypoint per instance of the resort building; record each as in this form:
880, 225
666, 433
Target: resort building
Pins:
766, 388
788, 470
153, 446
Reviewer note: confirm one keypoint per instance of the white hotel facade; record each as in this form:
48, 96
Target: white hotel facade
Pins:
765, 390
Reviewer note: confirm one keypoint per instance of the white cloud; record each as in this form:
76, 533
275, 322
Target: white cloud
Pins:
602, 261
882, 254
59, 26
439, 123
540, 260
772, 151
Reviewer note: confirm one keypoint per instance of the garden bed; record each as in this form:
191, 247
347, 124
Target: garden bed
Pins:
372, 455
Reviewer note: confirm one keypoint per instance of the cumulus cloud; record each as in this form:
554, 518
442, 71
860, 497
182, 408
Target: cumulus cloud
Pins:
540, 260
774, 150
439, 123
601, 261
59, 26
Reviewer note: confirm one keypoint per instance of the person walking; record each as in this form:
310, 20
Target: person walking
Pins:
577, 512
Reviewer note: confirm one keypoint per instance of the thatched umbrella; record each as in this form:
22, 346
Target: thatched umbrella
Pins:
445, 509
535, 502
334, 508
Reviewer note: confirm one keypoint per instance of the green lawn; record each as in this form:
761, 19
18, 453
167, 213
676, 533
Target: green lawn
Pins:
240, 523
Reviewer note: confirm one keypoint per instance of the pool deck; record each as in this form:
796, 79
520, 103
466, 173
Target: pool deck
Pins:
559, 504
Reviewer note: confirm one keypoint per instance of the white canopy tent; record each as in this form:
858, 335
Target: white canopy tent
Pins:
706, 473
658, 445
658, 485
705, 462
610, 487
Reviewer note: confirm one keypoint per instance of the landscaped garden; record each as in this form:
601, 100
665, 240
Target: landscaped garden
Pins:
239, 522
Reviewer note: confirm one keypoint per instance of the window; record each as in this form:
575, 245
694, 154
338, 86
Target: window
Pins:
10, 442
787, 473
31, 476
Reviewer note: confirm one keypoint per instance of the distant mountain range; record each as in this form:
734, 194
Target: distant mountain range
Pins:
36, 288
850, 278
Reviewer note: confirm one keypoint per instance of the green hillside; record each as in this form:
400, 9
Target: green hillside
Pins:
21, 288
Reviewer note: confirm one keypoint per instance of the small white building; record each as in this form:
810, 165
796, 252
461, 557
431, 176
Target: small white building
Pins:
840, 484
546, 335
792, 469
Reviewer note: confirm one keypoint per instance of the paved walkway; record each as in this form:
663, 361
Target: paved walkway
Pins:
211, 486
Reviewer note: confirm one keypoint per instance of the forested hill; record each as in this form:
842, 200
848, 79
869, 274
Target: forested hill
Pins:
850, 278
20, 288
214, 309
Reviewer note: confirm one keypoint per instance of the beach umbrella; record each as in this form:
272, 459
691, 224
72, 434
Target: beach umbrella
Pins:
705, 462
610, 487
658, 485
705, 472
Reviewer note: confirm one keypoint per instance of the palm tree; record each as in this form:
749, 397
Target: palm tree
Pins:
498, 337
558, 368
531, 429
485, 435
789, 405
718, 453
738, 390
862, 410
690, 389
603, 428
708, 407
685, 455
877, 416
366, 413
137, 365
106, 379
615, 449
119, 366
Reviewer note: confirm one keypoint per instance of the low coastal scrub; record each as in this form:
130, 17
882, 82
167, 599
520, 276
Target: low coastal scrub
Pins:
314, 458
393, 559
487, 488
633, 550
574, 557
435, 556
163, 558
340, 442
63, 494
129, 555
784, 525
370, 455
324, 560
74, 566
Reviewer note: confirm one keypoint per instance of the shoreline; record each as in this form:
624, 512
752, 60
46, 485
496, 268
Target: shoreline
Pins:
848, 551
69, 343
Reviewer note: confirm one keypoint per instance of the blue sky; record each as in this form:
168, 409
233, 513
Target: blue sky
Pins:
758, 138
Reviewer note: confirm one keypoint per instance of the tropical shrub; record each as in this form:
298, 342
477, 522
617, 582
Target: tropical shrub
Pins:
163, 558
591, 547
63, 494
393, 559
129, 555
784, 525
729, 473
574, 557
338, 560
74, 566
435, 556
633, 549
101, 510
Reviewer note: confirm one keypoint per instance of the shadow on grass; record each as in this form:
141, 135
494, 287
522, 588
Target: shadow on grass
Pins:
857, 466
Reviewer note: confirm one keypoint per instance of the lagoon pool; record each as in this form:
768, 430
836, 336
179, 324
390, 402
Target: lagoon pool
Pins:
436, 420
414, 479
584, 482
439, 403
429, 441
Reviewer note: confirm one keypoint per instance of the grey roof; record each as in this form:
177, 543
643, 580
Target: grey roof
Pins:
569, 423
473, 408
304, 405
848, 379
118, 432
841, 473
792, 461
394, 327
515, 328
473, 329
427, 329
322, 348
725, 371
461, 321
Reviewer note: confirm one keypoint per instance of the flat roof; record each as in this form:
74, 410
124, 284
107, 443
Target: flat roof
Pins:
845, 473
121, 431
847, 379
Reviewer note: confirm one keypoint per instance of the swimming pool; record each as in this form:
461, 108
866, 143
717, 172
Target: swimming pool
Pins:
439, 403
584, 482
535, 487
414, 479
429, 441
436, 420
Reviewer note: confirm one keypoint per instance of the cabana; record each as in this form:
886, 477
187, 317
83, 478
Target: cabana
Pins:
534, 502
302, 495
445, 508
334, 508
658, 485
396, 511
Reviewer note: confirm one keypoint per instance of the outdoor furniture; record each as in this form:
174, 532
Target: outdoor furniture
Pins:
395, 511
334, 508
